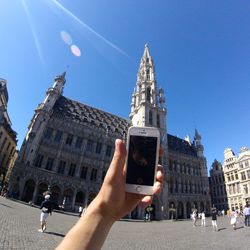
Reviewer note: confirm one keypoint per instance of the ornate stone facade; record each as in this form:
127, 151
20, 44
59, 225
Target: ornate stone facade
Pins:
8, 139
218, 186
237, 177
69, 146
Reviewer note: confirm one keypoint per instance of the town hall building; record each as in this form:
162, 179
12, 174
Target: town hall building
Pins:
69, 146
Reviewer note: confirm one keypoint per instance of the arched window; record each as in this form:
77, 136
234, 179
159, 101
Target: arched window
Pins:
148, 74
158, 121
148, 93
150, 120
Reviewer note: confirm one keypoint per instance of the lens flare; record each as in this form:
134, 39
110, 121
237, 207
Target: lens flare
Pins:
75, 50
66, 37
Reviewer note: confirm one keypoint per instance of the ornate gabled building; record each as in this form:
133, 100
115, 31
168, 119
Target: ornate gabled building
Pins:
69, 146
237, 177
8, 139
217, 186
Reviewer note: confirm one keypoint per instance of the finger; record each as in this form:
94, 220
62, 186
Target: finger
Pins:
118, 160
160, 174
157, 187
146, 201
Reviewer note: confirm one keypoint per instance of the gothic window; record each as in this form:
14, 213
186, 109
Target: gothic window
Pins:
58, 136
79, 142
148, 93
245, 187
39, 160
48, 133
49, 163
176, 187
158, 121
171, 186
150, 118
72, 169
69, 140
170, 165
93, 174
8, 146
248, 174
148, 74
236, 176
3, 144
98, 148
61, 167
243, 176
175, 166
246, 164
84, 172
89, 147
108, 151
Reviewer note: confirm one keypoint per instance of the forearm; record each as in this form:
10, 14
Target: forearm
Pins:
89, 233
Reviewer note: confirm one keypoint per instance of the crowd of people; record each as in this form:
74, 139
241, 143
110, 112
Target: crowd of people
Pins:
236, 217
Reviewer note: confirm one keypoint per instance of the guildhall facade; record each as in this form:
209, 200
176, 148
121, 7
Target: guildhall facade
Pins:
69, 145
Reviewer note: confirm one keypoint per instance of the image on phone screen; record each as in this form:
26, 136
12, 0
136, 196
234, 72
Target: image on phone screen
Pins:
141, 160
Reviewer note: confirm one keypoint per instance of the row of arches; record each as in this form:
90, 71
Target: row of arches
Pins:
182, 210
68, 198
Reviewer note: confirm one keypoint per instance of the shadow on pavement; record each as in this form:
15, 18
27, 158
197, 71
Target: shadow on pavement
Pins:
6, 205
56, 234
220, 229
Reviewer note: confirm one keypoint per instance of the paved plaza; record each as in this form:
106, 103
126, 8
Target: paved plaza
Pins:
19, 224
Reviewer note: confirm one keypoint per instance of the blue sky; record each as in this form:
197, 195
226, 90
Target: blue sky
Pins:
200, 49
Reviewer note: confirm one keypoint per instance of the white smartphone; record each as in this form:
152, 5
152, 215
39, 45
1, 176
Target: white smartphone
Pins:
142, 159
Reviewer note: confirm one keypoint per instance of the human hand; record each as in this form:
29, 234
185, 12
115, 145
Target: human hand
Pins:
113, 201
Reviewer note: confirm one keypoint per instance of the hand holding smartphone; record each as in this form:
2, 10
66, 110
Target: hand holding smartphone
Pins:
142, 159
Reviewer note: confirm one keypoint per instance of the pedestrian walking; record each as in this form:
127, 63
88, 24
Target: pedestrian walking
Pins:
223, 213
233, 220
194, 217
203, 219
246, 212
46, 210
80, 211
214, 219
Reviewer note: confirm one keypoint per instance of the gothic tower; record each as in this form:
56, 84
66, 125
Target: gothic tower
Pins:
148, 109
148, 102
39, 120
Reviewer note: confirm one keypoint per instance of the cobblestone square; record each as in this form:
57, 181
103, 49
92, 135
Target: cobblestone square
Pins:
19, 224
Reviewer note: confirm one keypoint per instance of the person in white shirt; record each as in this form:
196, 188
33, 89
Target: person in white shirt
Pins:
203, 219
246, 212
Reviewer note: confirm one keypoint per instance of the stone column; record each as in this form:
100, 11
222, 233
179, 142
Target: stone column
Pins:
73, 201
184, 210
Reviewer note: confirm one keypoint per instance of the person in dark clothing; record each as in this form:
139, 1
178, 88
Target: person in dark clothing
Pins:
46, 209
214, 219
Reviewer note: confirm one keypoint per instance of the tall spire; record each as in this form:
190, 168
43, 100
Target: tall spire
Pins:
147, 106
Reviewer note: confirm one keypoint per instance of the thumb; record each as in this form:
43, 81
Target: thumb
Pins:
117, 164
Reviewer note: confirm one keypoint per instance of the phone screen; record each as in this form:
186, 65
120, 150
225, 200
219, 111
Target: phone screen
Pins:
141, 160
